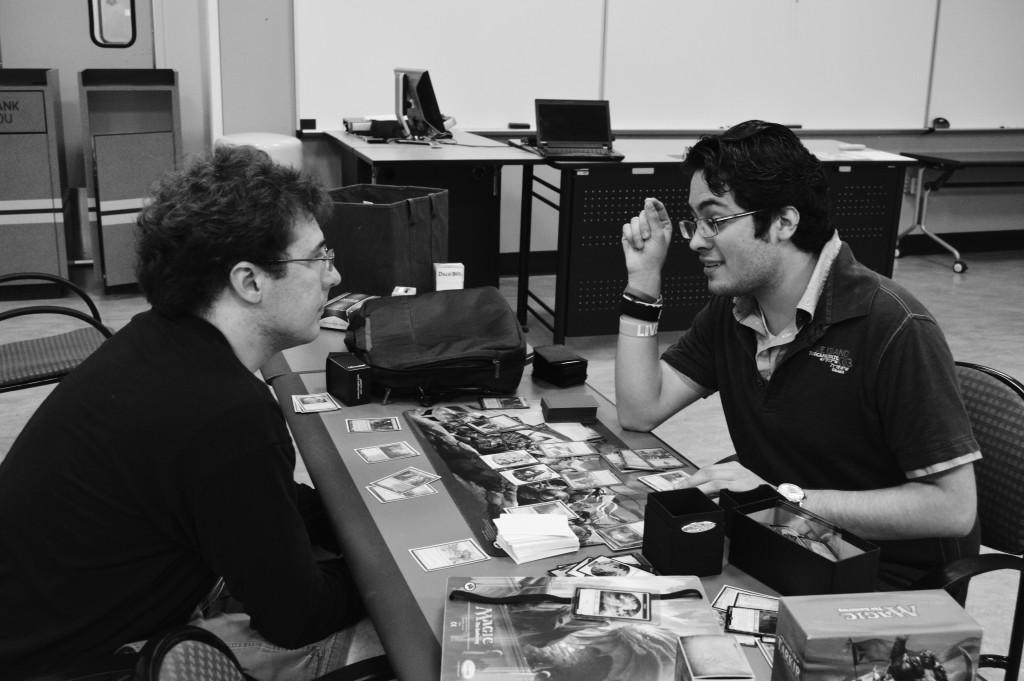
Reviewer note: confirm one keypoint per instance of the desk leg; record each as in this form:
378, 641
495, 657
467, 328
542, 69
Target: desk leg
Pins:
525, 227
958, 264
919, 201
920, 211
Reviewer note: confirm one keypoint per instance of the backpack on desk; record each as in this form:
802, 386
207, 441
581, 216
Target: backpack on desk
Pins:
434, 345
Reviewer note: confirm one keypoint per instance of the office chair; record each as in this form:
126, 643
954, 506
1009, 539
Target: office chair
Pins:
189, 653
995, 404
48, 359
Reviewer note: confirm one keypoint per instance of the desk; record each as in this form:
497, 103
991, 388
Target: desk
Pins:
593, 201
947, 164
406, 603
468, 166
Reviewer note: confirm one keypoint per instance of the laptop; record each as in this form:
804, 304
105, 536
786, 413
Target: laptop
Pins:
575, 130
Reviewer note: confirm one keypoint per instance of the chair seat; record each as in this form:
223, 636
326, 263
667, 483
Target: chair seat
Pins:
42, 360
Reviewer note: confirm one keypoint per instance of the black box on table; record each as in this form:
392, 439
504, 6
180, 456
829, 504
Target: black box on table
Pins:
574, 407
348, 378
797, 552
559, 366
684, 533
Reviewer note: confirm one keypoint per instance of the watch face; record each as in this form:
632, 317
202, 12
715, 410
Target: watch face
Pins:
791, 492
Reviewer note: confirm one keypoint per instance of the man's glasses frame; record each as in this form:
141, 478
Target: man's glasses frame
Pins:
327, 258
710, 227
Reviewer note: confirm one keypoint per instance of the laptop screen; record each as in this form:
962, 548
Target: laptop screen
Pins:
573, 121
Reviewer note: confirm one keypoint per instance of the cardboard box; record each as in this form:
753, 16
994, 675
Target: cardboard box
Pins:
817, 558
876, 636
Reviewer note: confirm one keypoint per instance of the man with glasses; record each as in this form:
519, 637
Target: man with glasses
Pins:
162, 466
837, 385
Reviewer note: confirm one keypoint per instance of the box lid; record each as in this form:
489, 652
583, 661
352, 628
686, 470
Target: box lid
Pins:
875, 613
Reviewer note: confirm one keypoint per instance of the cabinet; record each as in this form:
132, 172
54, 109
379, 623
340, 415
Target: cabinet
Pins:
32, 173
131, 136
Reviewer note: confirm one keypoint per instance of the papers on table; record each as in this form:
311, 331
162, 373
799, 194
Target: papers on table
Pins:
528, 537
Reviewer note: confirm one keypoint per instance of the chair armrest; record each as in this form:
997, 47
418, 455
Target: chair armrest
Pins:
53, 309
962, 569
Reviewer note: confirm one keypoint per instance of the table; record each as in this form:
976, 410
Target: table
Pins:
594, 200
468, 166
947, 164
405, 603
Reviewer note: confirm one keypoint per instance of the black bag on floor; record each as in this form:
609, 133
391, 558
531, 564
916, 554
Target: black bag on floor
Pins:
438, 344
387, 236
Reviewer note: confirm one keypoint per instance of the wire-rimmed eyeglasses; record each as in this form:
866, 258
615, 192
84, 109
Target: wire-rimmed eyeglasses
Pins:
327, 259
709, 227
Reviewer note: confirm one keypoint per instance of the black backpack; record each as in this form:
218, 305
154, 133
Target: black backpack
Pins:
435, 345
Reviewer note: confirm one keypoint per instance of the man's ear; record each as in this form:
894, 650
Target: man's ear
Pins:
246, 281
788, 219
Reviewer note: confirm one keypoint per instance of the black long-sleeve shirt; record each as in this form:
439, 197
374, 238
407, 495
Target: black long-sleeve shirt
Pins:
157, 466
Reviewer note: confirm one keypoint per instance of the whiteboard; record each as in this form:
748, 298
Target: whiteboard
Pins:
487, 61
979, 64
671, 64
817, 63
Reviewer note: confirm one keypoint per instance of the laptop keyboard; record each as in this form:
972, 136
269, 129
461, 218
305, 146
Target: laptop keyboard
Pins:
581, 153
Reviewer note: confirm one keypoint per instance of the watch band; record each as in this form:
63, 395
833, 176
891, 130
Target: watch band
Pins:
633, 306
637, 329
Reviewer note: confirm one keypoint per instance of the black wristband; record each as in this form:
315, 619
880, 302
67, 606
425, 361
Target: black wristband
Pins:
632, 306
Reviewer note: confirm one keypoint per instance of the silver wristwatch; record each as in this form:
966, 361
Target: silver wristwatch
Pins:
793, 493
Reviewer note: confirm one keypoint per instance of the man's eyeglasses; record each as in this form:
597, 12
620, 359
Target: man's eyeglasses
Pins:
709, 227
327, 259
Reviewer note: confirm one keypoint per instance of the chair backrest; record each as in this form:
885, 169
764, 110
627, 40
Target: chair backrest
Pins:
995, 404
187, 653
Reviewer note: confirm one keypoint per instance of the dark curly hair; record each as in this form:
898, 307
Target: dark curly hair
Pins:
765, 166
231, 205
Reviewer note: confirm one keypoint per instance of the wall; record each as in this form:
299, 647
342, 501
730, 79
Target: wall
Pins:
257, 67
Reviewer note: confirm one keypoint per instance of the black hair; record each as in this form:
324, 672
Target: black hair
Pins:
766, 167
231, 205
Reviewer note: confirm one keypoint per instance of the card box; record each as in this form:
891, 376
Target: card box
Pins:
684, 533
575, 407
859, 635
559, 366
791, 567
348, 378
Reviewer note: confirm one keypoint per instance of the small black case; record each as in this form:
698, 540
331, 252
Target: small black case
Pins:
559, 366
574, 407
348, 378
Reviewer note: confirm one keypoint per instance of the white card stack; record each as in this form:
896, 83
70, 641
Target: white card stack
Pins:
532, 537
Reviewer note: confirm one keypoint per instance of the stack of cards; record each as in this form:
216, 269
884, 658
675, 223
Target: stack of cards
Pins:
407, 483
627, 565
308, 404
622, 537
527, 537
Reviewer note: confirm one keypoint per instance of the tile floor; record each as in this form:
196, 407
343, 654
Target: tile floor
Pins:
981, 312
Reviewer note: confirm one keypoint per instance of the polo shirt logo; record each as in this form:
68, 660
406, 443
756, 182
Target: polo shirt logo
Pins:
838, 359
